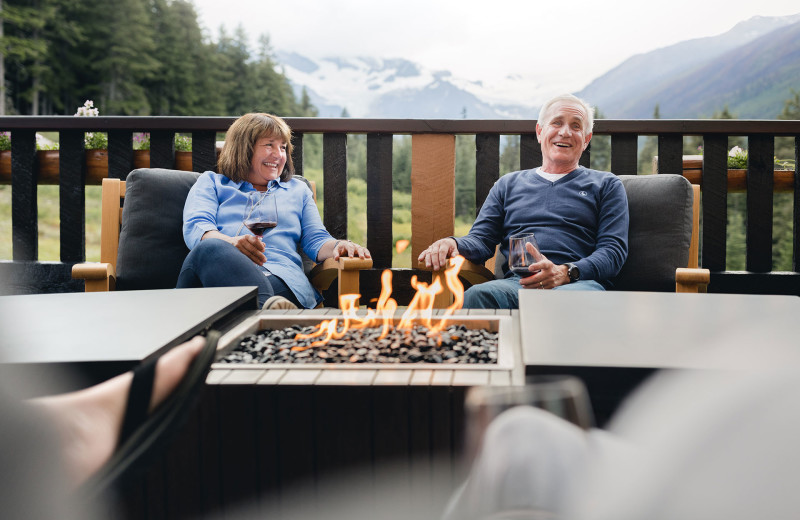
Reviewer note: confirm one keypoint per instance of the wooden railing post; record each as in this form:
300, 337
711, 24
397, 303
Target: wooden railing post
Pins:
433, 194
24, 217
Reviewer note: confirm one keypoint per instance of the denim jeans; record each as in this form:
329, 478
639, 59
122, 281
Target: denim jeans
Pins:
216, 263
504, 294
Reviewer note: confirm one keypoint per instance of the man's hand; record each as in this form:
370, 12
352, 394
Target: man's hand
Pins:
436, 255
545, 275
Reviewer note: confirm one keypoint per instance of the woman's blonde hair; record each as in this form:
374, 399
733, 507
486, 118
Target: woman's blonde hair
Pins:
237, 154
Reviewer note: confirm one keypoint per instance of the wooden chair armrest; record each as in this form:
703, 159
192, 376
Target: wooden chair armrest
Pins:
471, 272
323, 274
692, 280
97, 276
475, 273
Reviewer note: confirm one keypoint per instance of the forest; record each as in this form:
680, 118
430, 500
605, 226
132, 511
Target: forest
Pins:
152, 57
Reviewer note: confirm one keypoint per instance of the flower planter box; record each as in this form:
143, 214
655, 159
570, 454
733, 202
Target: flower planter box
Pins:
737, 179
96, 165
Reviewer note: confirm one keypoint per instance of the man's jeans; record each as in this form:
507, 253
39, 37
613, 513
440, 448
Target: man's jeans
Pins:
504, 294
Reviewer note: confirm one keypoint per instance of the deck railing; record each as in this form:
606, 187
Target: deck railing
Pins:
624, 134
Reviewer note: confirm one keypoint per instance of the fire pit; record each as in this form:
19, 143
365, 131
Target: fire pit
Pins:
466, 342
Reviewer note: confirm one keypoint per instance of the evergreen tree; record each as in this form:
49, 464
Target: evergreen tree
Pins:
124, 62
182, 84
509, 154
648, 149
465, 176
600, 147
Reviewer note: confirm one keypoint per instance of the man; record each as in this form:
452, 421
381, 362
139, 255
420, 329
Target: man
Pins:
579, 216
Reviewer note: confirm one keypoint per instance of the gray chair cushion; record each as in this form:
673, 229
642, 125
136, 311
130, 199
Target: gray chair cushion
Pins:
151, 247
660, 231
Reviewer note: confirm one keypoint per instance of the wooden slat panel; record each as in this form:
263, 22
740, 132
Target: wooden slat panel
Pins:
217, 376
334, 169
120, 153
442, 378
391, 434
670, 154
300, 377
530, 153
295, 422
268, 422
760, 157
24, 218
204, 151
796, 226
244, 377
346, 377
239, 441
72, 196
433, 201
297, 152
379, 199
421, 377
471, 378
272, 377
715, 201
162, 149
342, 428
392, 377
487, 166
500, 378
624, 155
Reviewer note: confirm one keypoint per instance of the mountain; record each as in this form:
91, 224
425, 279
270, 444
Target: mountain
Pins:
399, 88
750, 68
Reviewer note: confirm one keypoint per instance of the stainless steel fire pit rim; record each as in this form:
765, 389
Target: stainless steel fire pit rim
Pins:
229, 341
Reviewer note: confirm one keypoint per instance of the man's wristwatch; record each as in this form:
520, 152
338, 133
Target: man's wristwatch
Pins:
573, 272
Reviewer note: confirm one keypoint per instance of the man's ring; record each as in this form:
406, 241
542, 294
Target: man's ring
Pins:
541, 285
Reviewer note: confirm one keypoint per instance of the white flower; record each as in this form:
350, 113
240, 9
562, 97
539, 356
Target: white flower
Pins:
88, 109
736, 152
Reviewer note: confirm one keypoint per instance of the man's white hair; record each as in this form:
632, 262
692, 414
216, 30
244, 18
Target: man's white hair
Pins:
544, 113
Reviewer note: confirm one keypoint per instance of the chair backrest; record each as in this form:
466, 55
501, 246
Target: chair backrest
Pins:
662, 235
151, 249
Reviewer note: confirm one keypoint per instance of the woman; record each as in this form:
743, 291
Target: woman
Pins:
257, 156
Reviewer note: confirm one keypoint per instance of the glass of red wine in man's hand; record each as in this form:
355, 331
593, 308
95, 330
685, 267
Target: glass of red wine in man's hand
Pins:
521, 254
261, 214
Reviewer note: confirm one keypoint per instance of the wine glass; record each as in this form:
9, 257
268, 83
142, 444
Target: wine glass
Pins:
519, 255
562, 395
261, 213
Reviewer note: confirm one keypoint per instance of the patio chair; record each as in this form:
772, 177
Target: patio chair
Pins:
142, 247
663, 238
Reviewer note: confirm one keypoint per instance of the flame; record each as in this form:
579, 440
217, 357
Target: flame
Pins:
401, 245
420, 308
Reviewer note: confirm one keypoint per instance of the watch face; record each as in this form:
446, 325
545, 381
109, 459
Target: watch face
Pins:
573, 272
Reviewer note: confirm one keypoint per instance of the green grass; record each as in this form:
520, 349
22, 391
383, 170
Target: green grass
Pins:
49, 223
49, 219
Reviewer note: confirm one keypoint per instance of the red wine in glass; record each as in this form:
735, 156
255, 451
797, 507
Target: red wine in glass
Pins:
522, 272
519, 256
261, 213
258, 228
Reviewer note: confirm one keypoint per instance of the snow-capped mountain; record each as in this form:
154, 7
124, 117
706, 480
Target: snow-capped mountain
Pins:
398, 88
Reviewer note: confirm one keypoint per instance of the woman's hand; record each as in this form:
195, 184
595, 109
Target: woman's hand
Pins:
249, 245
337, 248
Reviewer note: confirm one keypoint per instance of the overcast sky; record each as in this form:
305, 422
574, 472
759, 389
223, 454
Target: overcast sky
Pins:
569, 43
